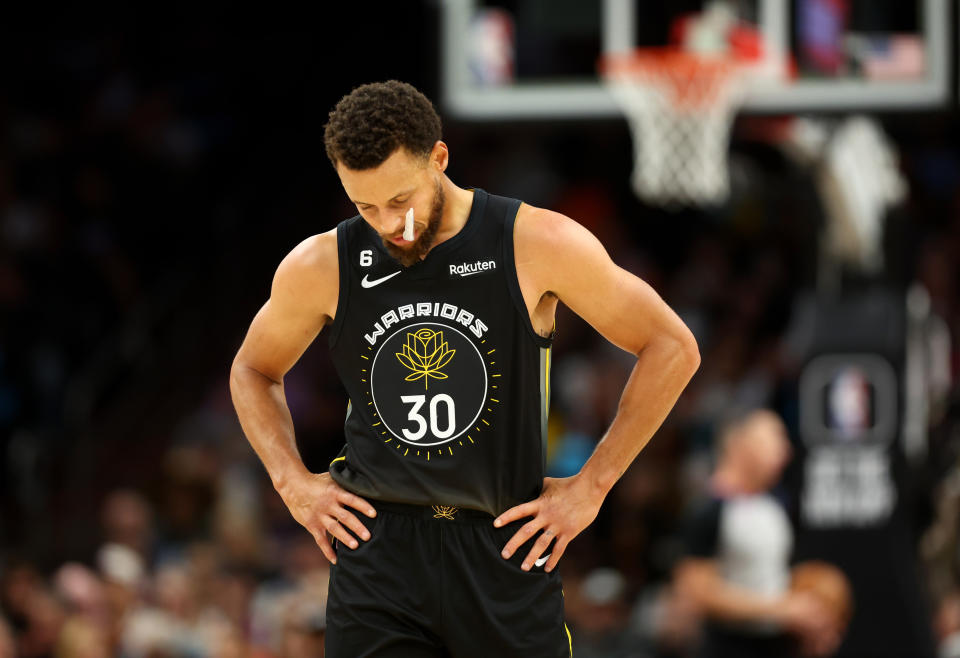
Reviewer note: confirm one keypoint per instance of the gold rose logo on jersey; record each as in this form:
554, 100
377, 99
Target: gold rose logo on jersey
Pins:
432, 389
425, 353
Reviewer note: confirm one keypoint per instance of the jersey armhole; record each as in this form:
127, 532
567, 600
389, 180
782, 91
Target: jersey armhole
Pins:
343, 290
513, 282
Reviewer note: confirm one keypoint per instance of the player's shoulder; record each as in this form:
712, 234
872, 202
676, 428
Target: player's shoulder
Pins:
315, 253
311, 263
532, 219
540, 231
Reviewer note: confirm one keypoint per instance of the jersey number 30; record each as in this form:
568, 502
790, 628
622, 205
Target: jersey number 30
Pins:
418, 401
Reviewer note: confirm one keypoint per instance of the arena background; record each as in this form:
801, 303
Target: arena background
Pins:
152, 178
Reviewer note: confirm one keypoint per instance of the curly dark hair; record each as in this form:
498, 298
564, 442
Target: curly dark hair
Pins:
373, 120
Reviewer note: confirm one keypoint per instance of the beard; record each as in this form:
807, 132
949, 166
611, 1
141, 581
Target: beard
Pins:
408, 256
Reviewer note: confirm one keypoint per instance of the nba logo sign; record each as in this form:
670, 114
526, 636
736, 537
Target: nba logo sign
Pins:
848, 419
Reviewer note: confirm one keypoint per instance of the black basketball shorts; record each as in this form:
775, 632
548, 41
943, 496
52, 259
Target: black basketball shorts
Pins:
430, 581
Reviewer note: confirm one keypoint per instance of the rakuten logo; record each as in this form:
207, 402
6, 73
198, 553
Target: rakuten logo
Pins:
466, 269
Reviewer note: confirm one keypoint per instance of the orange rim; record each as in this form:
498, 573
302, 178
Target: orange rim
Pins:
692, 80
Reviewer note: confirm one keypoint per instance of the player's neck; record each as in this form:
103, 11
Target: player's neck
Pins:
456, 211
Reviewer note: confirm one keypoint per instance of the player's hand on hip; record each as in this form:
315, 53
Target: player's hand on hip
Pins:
564, 508
321, 506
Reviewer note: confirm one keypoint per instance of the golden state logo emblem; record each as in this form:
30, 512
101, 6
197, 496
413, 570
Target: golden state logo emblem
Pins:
432, 388
425, 353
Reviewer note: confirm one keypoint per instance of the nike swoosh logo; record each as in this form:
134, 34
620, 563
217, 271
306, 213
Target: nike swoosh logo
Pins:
366, 283
542, 561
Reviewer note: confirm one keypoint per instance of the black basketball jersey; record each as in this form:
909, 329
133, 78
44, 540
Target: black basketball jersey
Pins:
447, 379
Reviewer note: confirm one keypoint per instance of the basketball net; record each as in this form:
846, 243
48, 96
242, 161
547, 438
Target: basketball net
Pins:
680, 104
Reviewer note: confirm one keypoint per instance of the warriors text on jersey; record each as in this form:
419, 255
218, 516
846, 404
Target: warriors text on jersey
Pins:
447, 379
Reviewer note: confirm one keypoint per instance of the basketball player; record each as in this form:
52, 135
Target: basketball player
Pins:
439, 303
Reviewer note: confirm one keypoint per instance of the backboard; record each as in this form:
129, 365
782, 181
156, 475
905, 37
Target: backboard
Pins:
526, 59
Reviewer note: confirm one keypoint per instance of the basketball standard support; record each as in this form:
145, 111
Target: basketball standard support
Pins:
587, 98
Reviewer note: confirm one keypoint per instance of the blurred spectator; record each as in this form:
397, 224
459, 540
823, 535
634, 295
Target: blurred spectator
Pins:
304, 629
300, 588
7, 646
81, 592
597, 613
947, 626
86, 633
124, 580
35, 615
188, 492
177, 623
82, 638
127, 520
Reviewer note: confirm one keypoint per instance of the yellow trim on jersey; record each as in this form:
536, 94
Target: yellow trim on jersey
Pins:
547, 381
337, 459
569, 639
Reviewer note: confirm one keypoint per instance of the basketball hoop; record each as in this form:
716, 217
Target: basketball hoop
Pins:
680, 106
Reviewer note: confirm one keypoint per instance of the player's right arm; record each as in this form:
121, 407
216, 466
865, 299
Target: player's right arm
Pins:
303, 299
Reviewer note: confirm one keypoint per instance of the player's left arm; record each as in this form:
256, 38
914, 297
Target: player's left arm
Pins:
557, 255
